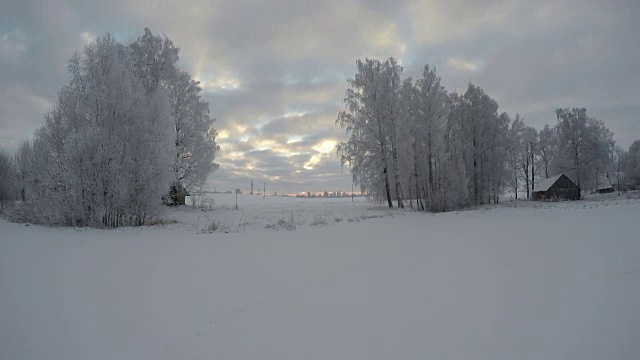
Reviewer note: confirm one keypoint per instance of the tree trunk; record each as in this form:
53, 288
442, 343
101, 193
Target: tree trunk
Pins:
533, 185
578, 175
427, 203
515, 177
410, 196
475, 181
419, 203
430, 162
387, 188
397, 177
526, 174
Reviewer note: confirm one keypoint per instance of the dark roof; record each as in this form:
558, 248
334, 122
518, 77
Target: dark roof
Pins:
178, 188
546, 184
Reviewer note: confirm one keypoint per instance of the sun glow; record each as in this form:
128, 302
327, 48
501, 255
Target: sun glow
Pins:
295, 114
326, 146
224, 83
315, 159
223, 134
294, 139
461, 64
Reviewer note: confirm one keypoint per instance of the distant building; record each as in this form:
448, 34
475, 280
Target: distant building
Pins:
177, 195
603, 184
558, 187
608, 182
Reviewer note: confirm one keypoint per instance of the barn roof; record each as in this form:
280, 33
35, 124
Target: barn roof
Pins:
545, 184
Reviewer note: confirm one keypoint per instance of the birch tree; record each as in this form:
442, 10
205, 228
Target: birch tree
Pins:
547, 144
155, 59
392, 116
515, 149
584, 143
631, 164
433, 110
366, 152
529, 139
618, 161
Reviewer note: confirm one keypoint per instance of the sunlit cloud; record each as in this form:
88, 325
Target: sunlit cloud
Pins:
326, 146
313, 161
211, 83
263, 144
222, 134
294, 114
294, 139
461, 64
87, 37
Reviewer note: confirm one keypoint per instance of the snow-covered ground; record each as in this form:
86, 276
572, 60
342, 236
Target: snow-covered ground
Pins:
273, 212
519, 281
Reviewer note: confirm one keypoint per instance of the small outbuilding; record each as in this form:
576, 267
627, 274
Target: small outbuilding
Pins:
604, 185
555, 188
177, 195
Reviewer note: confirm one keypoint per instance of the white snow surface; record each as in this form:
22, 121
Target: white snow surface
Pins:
520, 281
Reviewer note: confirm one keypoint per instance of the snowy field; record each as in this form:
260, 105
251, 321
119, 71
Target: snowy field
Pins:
520, 281
272, 212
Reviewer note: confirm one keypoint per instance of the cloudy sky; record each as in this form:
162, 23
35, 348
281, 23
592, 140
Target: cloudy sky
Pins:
275, 72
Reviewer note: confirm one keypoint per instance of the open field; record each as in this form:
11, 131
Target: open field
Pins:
519, 281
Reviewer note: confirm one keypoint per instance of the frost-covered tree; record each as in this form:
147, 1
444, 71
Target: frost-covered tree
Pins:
391, 114
415, 141
585, 144
367, 151
103, 157
527, 154
618, 157
7, 180
155, 60
631, 165
24, 162
433, 107
515, 145
408, 158
547, 144
477, 117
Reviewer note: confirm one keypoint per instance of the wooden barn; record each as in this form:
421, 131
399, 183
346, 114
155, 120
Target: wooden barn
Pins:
558, 187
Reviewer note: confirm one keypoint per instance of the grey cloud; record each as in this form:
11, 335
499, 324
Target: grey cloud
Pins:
288, 57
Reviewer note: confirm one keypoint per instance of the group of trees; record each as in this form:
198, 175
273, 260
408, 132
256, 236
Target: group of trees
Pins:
128, 125
414, 140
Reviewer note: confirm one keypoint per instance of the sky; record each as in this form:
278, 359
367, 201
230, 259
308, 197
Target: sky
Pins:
275, 72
